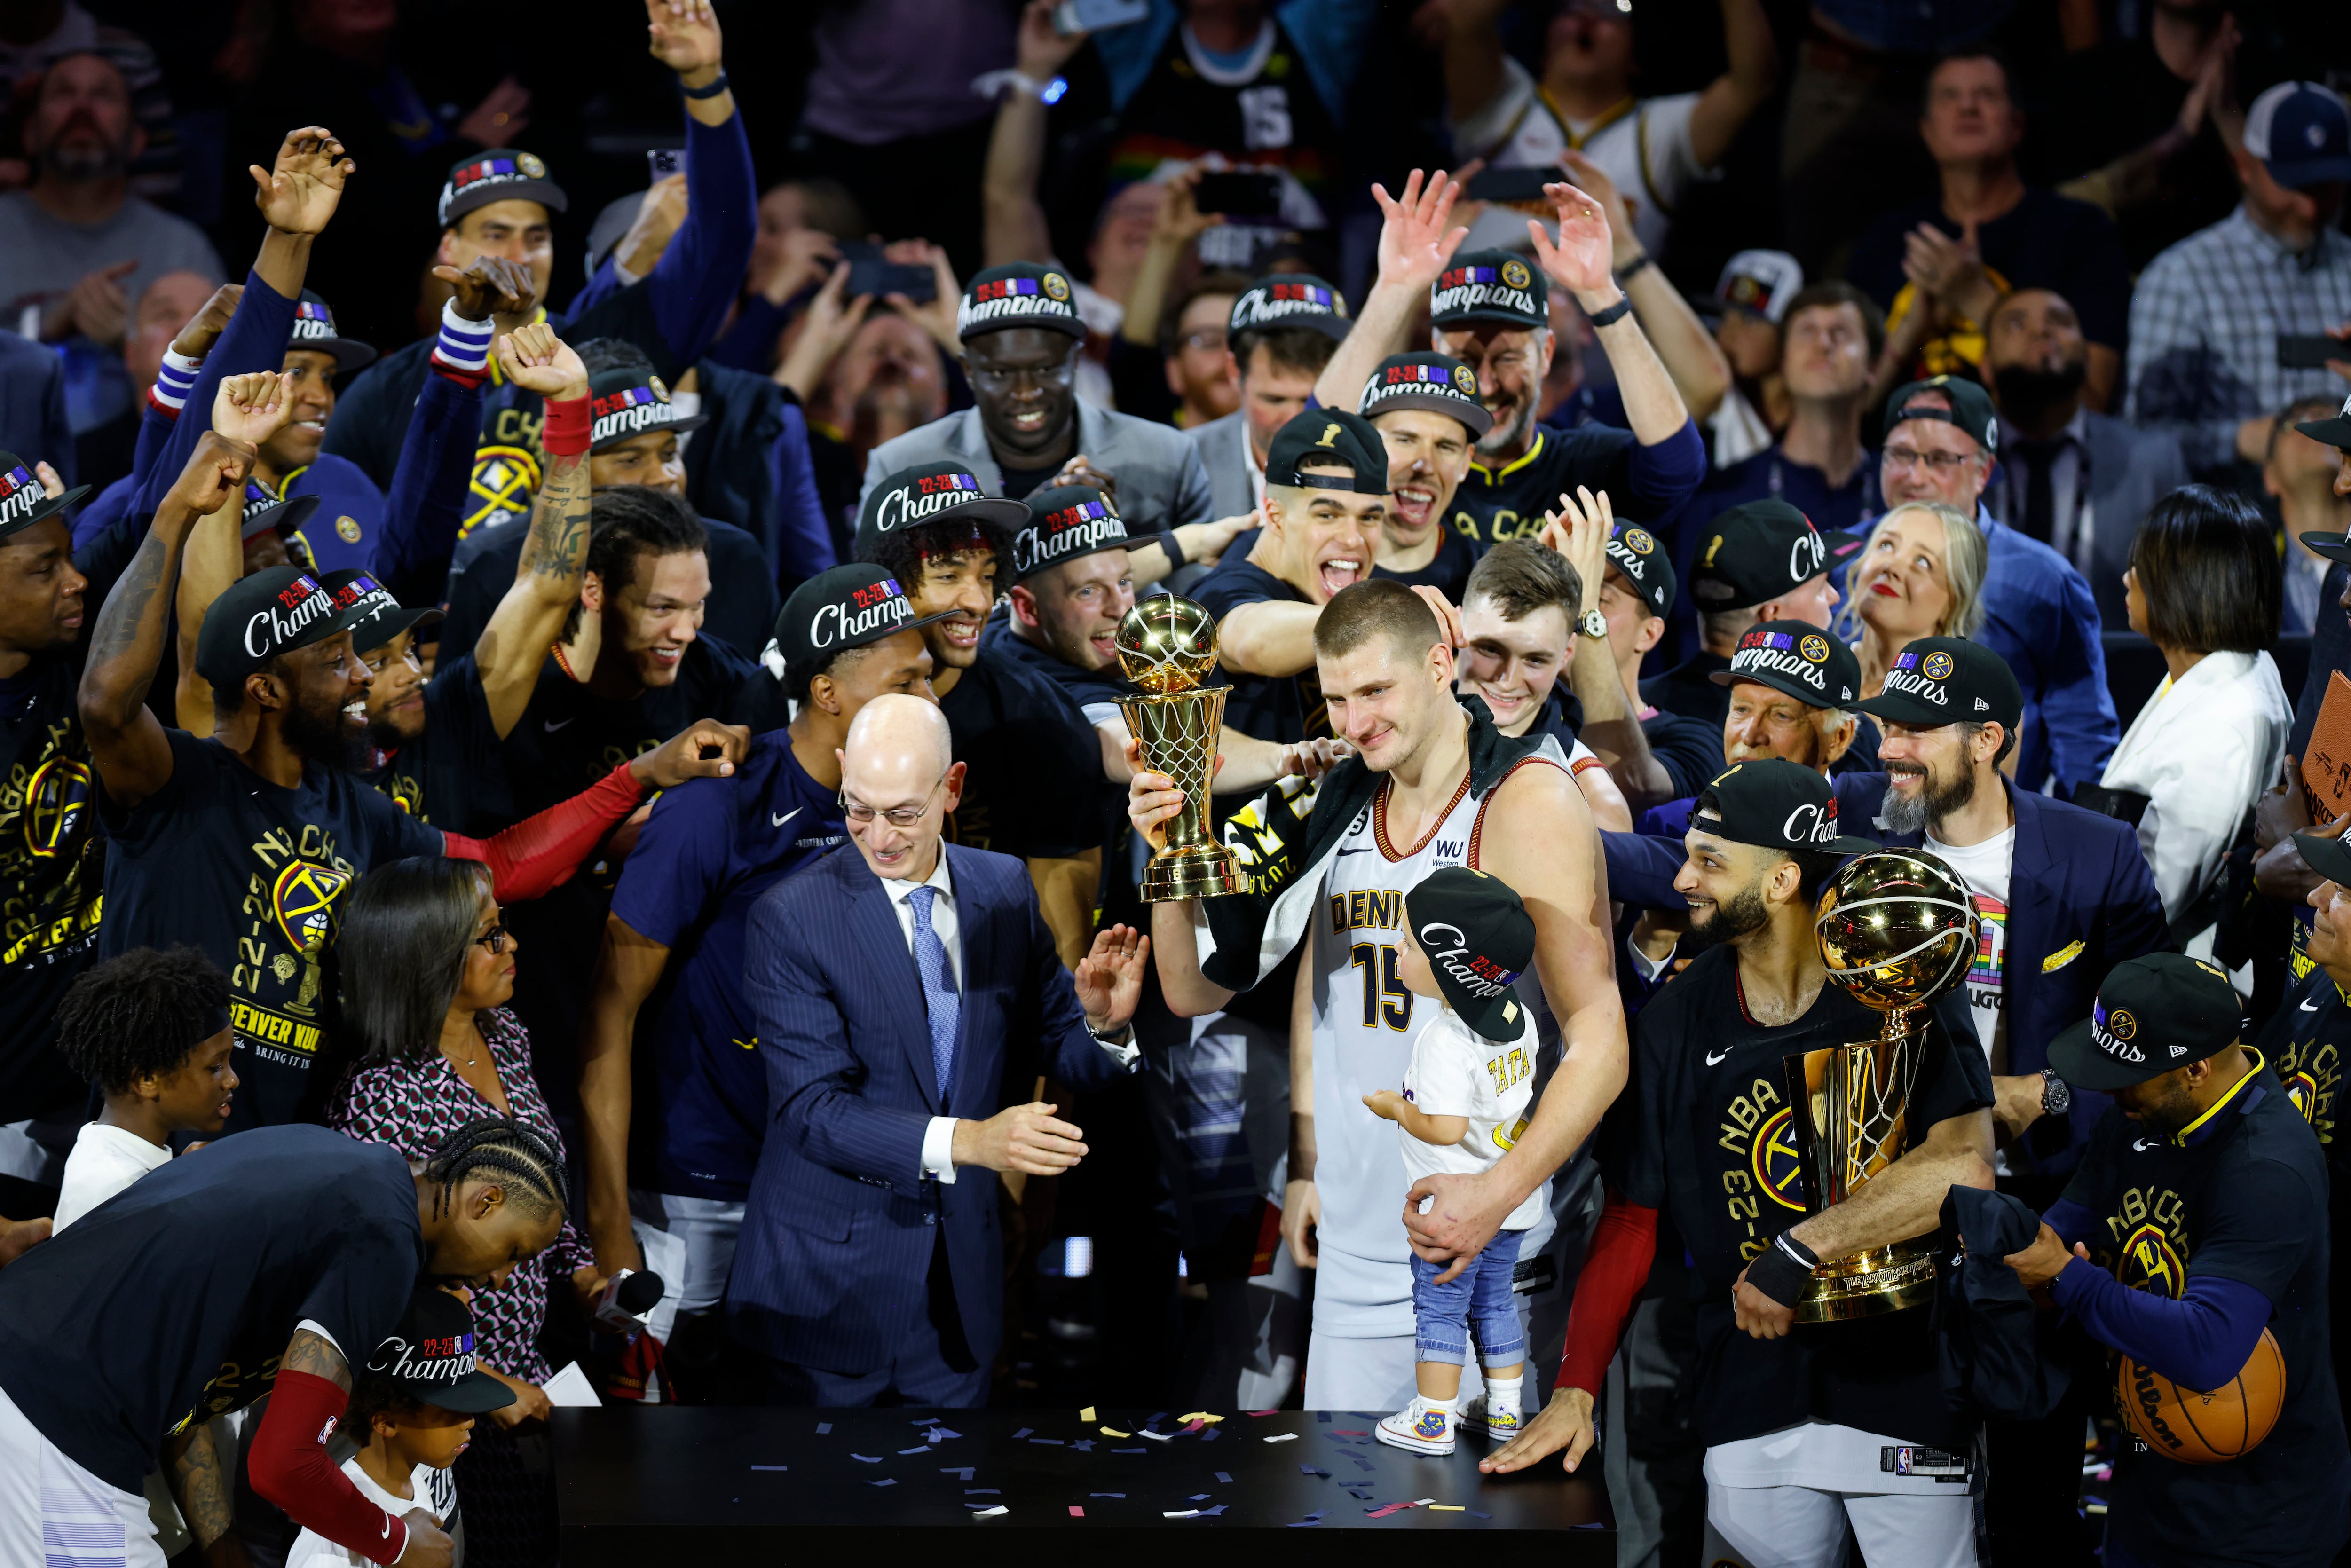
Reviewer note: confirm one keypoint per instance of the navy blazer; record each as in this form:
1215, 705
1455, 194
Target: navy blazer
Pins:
2080, 901
33, 421
838, 1233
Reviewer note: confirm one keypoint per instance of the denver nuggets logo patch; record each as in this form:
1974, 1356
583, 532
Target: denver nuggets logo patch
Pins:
2149, 1263
1056, 286
1815, 647
54, 798
1465, 379
1777, 1167
303, 900
1515, 274
1938, 666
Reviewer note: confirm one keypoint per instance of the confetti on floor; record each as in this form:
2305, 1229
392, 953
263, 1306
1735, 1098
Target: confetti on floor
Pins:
866, 1458
1022, 1433
1283, 1438
1122, 1496
1179, 1514
1129, 1450
1083, 1445
1445, 1508
1312, 1470
1265, 1412
1224, 1478
1160, 1437
1335, 1431
961, 1473
884, 1481
1087, 1413
1210, 1435
1210, 1513
919, 1449
1475, 1514
991, 1512
1077, 1512
1050, 1442
981, 1491
1201, 1416
1322, 1414
822, 1427
1114, 1432
771, 1466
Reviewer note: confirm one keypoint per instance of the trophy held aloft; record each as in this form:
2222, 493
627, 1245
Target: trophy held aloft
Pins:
1896, 929
1167, 646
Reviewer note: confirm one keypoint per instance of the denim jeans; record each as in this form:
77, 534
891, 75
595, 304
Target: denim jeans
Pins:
1442, 1313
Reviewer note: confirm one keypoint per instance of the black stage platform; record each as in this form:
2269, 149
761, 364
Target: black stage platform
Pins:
670, 1485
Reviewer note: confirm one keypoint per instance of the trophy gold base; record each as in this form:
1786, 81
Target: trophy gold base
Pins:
1194, 871
1870, 1285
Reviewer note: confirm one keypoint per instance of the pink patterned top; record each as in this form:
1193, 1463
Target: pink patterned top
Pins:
413, 1105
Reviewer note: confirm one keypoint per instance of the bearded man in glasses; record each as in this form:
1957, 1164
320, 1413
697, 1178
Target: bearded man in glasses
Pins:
2040, 616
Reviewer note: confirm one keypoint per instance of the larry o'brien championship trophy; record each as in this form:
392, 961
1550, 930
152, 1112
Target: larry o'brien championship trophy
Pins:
1896, 929
1167, 646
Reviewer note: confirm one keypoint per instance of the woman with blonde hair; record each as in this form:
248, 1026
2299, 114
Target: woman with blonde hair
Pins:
1920, 574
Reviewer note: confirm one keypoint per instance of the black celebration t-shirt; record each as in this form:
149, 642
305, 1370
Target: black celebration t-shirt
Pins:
450, 773
2304, 1042
1706, 1133
52, 852
1031, 761
2244, 1198
173, 1301
1279, 708
1447, 570
252, 875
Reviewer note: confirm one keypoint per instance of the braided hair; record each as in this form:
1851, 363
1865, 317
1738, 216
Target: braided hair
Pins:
523, 1160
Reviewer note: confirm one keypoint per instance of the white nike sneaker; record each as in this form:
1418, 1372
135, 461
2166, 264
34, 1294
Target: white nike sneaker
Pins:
1417, 1428
1472, 1415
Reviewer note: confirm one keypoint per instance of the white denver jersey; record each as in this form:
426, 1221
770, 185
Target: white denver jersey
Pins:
1365, 1024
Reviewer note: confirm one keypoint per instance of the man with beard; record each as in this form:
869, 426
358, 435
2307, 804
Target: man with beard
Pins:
1283, 330
2039, 616
1797, 1425
239, 844
1755, 563
2077, 480
80, 245
1021, 341
1491, 311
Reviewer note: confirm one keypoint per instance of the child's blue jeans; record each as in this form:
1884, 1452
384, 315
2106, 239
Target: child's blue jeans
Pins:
1442, 1314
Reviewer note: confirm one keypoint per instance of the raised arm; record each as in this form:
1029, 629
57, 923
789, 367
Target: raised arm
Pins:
700, 273
1473, 60
126, 741
628, 968
1414, 245
1579, 264
554, 560
1695, 362
1012, 219
1738, 92
249, 410
1269, 637
1580, 530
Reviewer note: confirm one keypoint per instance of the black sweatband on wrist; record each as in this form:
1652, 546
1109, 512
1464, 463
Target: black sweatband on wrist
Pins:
1173, 546
712, 90
1634, 267
1614, 313
1781, 1271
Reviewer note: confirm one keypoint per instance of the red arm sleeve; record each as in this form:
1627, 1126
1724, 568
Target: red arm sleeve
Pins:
539, 854
1614, 1269
289, 1466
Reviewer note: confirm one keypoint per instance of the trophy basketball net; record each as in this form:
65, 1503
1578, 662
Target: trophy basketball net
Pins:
1167, 646
1896, 928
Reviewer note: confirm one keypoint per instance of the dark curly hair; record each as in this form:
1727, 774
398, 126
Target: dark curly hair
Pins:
901, 551
139, 1014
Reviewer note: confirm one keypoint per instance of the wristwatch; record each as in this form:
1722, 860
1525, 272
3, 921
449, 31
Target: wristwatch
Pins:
2057, 1094
1592, 624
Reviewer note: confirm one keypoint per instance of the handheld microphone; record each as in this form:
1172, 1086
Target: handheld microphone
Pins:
628, 1297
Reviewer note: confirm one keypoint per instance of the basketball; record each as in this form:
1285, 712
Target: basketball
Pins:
2205, 1428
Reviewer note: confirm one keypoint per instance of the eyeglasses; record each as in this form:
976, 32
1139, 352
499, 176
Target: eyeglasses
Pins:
896, 816
494, 939
1209, 341
997, 379
1935, 462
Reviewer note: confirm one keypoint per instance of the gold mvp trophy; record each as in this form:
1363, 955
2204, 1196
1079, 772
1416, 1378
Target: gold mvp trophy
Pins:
1167, 646
1896, 929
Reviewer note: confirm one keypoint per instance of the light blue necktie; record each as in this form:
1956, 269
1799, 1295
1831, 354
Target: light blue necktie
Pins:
938, 989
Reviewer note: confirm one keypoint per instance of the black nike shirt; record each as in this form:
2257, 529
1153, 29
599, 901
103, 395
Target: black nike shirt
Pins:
1705, 1133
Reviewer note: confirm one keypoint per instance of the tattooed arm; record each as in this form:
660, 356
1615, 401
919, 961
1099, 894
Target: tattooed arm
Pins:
289, 1466
201, 1466
126, 741
531, 617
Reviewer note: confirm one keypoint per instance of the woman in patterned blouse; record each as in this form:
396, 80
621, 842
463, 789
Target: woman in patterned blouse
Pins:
437, 1048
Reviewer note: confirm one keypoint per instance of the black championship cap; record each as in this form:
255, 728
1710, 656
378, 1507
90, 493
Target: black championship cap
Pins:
22, 502
1017, 294
1795, 657
842, 608
265, 513
1478, 939
2335, 432
2329, 857
376, 617
1970, 408
1634, 551
935, 493
2152, 1014
430, 1358
501, 174
1937, 681
1758, 550
1291, 299
1437, 382
314, 332
1774, 804
624, 402
1329, 436
1497, 286
271, 612
1063, 524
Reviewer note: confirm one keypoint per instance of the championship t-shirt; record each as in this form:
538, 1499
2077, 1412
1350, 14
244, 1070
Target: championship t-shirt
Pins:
1645, 484
173, 1304
434, 1492
51, 851
2304, 1043
1688, 749
1029, 763
2241, 1194
710, 849
1279, 708
1985, 866
1447, 570
450, 773
1706, 1132
1686, 690
1456, 1071
250, 875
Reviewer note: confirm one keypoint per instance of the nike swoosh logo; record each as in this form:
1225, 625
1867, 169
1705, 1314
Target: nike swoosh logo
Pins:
2310, 1007
1364, 850
2141, 1144
554, 725
1713, 1060
787, 817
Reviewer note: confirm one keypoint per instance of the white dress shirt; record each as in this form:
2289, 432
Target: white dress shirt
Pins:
938, 1137
104, 1161
2202, 750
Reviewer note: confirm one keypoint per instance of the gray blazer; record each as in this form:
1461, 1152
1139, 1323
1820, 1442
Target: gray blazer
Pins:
1223, 445
1161, 484
2130, 469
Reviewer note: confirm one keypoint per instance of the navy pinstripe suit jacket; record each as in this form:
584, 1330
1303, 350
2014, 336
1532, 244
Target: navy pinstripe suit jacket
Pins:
838, 1232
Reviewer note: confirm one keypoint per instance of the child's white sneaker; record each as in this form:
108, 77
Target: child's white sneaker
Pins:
1419, 1428
1502, 1426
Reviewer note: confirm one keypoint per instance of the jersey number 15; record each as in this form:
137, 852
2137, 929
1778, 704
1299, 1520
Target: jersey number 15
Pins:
1385, 998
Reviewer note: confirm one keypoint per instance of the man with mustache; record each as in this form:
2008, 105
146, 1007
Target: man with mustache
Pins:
1490, 309
2074, 478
